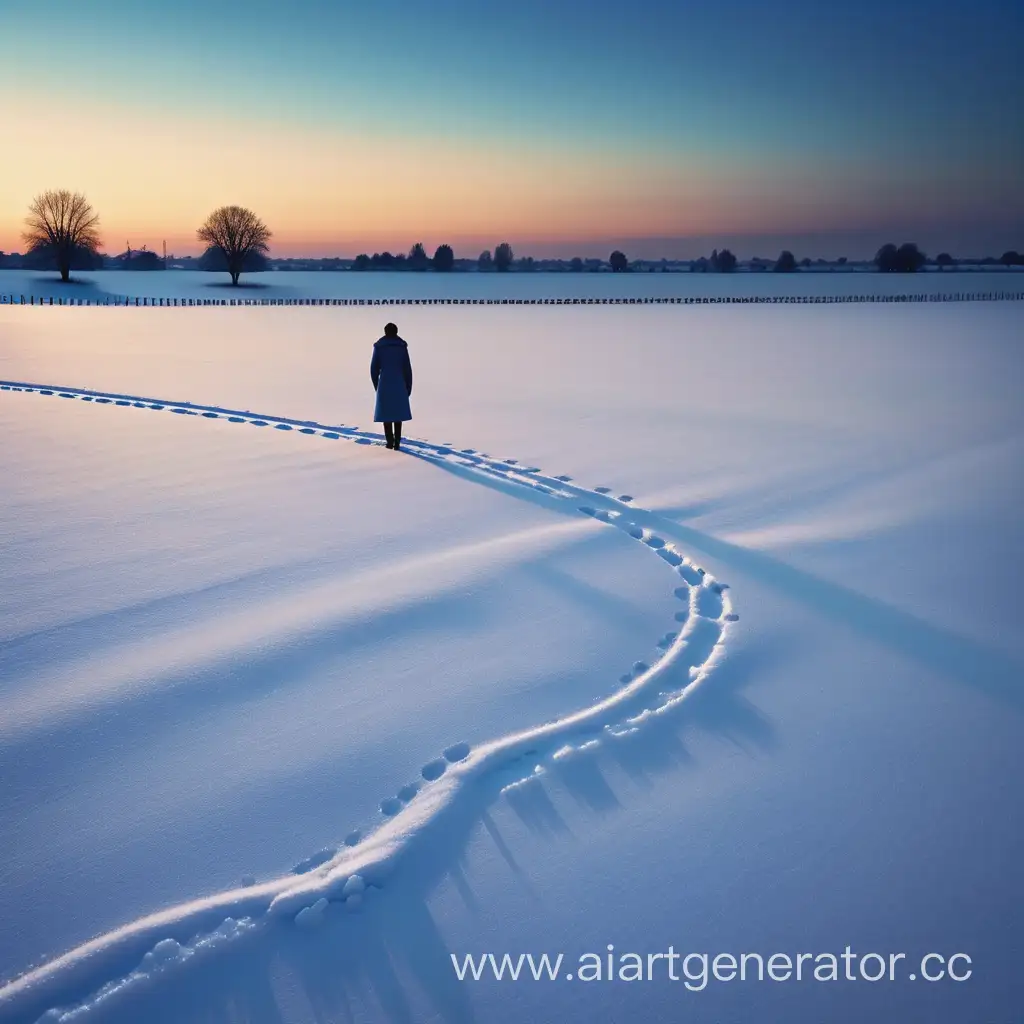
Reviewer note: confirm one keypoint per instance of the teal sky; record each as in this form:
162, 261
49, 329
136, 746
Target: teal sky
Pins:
562, 126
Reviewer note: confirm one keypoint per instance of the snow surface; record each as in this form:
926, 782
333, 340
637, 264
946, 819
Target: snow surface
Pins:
293, 284
289, 718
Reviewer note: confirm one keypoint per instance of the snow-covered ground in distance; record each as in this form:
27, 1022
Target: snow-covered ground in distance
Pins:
100, 286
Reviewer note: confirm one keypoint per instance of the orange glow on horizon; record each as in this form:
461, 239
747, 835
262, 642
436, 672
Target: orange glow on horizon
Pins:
152, 177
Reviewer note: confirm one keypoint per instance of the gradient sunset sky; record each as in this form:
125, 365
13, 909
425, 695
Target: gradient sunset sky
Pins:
563, 126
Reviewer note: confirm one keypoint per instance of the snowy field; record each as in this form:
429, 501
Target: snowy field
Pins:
726, 659
99, 286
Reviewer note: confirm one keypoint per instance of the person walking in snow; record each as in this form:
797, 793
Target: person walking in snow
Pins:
391, 373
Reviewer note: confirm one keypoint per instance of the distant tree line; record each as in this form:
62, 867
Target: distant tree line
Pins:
62, 233
416, 259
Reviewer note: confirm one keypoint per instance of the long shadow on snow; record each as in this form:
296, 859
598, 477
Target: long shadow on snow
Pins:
941, 651
50, 286
947, 654
90, 632
223, 683
226, 682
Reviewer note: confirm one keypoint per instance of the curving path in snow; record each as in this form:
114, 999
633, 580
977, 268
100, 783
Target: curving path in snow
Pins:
95, 974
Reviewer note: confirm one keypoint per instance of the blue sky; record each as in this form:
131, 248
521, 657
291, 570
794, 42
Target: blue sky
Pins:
567, 125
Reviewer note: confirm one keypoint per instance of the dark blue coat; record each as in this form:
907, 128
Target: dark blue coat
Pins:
391, 373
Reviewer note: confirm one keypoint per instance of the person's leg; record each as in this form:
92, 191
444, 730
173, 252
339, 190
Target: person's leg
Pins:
389, 434
398, 432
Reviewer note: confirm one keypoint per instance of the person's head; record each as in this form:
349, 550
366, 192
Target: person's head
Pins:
390, 330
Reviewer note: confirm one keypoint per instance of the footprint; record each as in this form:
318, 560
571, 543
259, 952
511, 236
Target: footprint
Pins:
627, 678
306, 430
457, 752
352, 839
654, 542
331, 435
313, 861
667, 641
406, 793
390, 806
672, 557
236, 419
602, 490
282, 426
683, 593
155, 405
639, 667
211, 415
625, 497
587, 510
731, 617
565, 479
106, 401
433, 770
64, 394
122, 402
636, 533
681, 616
689, 574
255, 423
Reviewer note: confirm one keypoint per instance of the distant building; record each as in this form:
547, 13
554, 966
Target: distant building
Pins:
134, 259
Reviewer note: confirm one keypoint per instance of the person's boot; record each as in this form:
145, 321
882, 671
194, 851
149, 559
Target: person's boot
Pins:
389, 436
398, 435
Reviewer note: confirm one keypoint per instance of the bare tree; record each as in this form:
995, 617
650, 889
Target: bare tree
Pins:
238, 233
61, 225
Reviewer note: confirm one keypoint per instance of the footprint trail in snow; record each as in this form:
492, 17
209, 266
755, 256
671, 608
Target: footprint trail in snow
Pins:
328, 881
